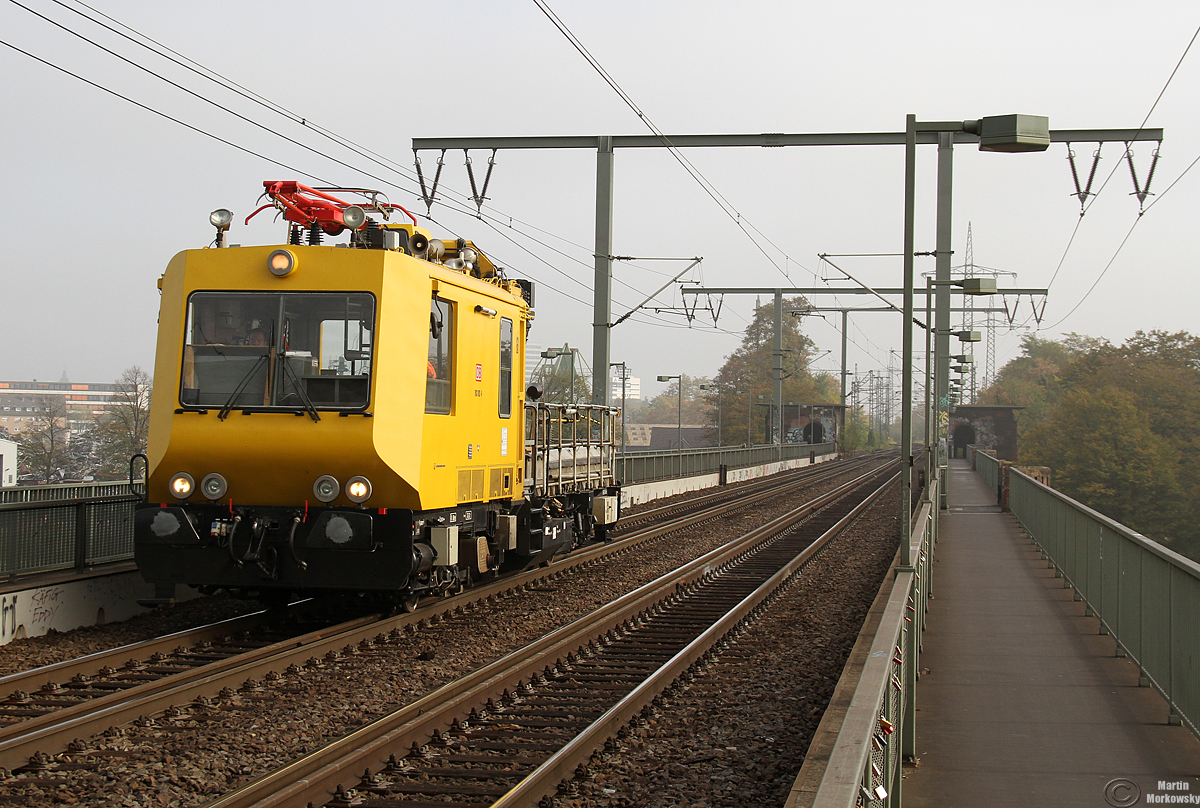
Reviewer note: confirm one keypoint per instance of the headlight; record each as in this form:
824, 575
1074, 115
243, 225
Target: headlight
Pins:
358, 489
214, 486
182, 485
221, 218
326, 488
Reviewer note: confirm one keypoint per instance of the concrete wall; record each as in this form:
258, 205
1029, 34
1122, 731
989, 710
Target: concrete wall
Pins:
72, 604
645, 492
995, 428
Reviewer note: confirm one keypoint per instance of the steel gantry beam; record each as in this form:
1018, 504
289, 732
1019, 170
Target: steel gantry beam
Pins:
846, 312
606, 144
777, 294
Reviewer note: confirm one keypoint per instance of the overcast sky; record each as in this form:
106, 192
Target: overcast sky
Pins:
99, 193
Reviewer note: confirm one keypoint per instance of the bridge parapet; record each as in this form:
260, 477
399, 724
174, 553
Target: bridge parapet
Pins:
869, 728
1145, 595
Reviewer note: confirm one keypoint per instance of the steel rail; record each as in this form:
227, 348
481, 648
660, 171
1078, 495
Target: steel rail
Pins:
52, 732
62, 671
545, 779
311, 778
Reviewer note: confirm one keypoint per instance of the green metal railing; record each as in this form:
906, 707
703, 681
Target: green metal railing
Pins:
1146, 596
63, 492
56, 534
879, 728
988, 468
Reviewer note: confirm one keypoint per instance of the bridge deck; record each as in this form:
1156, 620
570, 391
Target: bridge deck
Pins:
1023, 702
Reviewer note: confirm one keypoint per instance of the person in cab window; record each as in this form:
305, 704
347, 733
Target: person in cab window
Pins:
257, 338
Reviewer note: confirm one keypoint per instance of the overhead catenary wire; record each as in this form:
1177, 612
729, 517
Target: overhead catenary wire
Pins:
361, 151
273, 161
711, 190
161, 114
1141, 213
1117, 163
201, 70
225, 82
259, 99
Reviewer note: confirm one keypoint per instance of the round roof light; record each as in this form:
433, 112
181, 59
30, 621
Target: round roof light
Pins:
281, 262
326, 488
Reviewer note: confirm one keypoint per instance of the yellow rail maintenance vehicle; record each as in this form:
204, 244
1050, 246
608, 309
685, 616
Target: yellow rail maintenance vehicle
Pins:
352, 417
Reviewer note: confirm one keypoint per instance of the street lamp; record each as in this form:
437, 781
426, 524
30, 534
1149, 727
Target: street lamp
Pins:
624, 376
679, 428
555, 353
718, 389
766, 427
1005, 133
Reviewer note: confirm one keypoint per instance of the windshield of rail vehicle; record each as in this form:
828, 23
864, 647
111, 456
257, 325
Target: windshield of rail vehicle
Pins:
266, 350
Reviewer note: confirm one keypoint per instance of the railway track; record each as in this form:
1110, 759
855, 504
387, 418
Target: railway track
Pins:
131, 694
510, 733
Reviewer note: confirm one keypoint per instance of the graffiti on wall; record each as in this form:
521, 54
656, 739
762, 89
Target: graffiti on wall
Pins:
8, 616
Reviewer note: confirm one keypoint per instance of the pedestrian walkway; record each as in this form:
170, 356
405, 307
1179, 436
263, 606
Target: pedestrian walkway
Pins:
1021, 702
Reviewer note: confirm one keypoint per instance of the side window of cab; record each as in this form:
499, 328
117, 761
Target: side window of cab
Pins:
506, 367
438, 382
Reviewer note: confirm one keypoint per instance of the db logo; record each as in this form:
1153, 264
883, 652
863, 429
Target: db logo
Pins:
479, 373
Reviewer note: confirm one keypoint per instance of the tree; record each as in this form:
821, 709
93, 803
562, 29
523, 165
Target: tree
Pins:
1119, 426
122, 431
43, 446
856, 432
665, 407
747, 375
1100, 444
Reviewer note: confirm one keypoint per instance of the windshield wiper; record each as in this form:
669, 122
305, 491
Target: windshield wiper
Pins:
224, 413
308, 405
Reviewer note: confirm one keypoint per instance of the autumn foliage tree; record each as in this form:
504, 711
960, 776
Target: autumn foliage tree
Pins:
1118, 425
747, 375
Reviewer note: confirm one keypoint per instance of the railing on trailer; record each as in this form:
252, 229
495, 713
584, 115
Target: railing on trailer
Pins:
569, 448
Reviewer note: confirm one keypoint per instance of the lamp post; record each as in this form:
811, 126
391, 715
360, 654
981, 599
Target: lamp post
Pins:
749, 415
624, 376
679, 428
718, 389
555, 353
1005, 133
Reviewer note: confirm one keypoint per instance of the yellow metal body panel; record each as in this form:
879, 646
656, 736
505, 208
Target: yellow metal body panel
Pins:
412, 458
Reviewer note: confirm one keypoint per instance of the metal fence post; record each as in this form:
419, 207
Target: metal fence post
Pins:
81, 537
